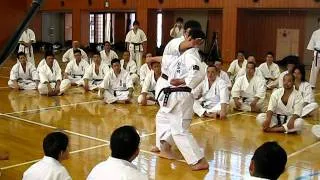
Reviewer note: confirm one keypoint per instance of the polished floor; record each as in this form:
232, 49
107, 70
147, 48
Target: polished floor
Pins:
26, 117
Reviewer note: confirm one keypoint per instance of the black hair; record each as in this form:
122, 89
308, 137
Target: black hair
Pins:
107, 42
124, 142
192, 24
115, 61
254, 64
136, 23
269, 160
290, 74
21, 54
55, 143
48, 53
270, 53
302, 71
76, 51
179, 19
96, 53
196, 33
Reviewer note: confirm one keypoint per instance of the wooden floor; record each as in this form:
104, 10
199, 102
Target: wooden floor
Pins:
26, 117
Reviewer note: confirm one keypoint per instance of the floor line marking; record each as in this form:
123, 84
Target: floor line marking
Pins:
303, 149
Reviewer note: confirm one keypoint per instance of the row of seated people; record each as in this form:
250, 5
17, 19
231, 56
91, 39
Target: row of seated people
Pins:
268, 162
116, 84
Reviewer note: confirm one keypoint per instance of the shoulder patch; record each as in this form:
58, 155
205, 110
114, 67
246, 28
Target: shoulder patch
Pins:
195, 67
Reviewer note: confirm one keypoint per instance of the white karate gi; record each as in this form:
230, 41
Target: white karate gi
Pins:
43, 62
47, 168
116, 169
272, 71
247, 91
178, 32
314, 44
144, 70
179, 108
75, 72
136, 50
107, 58
285, 112
234, 68
27, 36
26, 80
51, 76
224, 76
211, 97
170, 55
69, 56
308, 98
280, 79
116, 87
149, 87
95, 79
132, 69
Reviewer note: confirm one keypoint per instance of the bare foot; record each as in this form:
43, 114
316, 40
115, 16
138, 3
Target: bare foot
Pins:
155, 149
211, 115
201, 165
165, 151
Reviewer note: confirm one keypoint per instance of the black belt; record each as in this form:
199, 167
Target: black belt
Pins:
164, 76
168, 90
115, 92
136, 44
74, 76
279, 119
317, 53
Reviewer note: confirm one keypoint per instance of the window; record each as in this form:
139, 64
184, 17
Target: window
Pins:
101, 27
159, 29
91, 28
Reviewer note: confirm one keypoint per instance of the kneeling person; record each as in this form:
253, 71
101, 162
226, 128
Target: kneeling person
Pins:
50, 78
212, 95
147, 96
248, 92
75, 69
284, 109
23, 74
117, 85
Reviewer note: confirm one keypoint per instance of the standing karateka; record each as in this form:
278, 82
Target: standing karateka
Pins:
51, 83
170, 55
237, 65
145, 69
95, 73
222, 74
23, 74
177, 30
130, 66
270, 71
107, 54
248, 92
176, 102
135, 40
314, 45
117, 86
26, 40
124, 145
75, 69
56, 149
284, 109
69, 56
212, 96
310, 106
147, 96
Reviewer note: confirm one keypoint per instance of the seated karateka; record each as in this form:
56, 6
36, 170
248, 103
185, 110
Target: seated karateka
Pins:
117, 86
212, 95
51, 83
75, 69
94, 73
130, 66
147, 96
69, 56
222, 74
290, 66
145, 69
248, 92
23, 74
107, 54
284, 109
310, 106
243, 71
270, 71
236, 65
